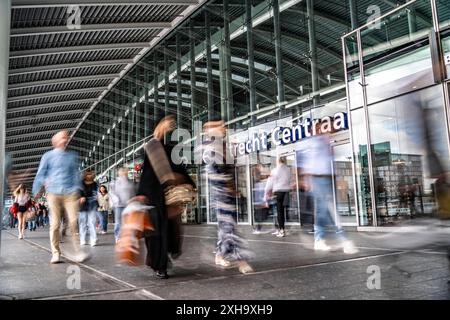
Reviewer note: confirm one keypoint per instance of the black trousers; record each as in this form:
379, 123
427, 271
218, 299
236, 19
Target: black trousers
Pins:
281, 200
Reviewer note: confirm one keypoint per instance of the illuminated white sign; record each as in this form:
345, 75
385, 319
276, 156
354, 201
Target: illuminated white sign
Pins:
286, 135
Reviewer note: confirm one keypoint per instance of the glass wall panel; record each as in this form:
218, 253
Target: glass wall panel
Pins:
404, 132
361, 167
396, 52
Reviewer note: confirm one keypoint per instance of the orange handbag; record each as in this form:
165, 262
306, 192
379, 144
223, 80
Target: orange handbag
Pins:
134, 225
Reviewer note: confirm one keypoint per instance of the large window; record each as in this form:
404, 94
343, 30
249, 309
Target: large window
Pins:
405, 132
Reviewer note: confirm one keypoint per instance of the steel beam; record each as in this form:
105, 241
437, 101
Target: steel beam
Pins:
61, 80
55, 94
24, 4
24, 32
37, 126
69, 66
51, 105
73, 49
46, 115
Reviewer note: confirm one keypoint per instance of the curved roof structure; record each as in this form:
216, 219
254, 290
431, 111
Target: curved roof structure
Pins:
65, 76
60, 68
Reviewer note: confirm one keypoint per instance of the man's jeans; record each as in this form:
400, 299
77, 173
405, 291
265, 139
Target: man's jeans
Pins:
87, 224
118, 221
323, 197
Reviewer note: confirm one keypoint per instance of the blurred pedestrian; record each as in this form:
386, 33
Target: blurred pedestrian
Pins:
231, 247
103, 208
260, 204
21, 198
121, 190
157, 176
58, 173
279, 185
88, 209
317, 166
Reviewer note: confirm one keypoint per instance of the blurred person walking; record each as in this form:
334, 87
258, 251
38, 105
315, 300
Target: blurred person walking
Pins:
121, 190
21, 199
279, 185
103, 208
88, 209
166, 238
317, 167
259, 202
231, 246
58, 173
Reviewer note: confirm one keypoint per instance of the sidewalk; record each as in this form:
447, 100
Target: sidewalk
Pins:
285, 268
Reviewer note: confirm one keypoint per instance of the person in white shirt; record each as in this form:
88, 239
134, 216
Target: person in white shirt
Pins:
317, 166
279, 184
120, 190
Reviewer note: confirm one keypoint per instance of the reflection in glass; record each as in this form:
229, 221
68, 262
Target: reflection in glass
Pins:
403, 183
361, 168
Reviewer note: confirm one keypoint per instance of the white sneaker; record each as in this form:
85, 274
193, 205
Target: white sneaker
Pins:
321, 246
93, 244
56, 258
256, 232
281, 234
276, 232
20, 236
83, 243
81, 257
349, 247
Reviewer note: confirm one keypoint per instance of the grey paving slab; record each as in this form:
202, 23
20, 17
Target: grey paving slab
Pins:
285, 269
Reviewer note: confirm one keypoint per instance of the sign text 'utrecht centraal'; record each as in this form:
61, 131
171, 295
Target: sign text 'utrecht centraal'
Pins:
285, 135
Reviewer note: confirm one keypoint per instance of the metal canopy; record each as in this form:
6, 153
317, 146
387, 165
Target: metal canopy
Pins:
57, 72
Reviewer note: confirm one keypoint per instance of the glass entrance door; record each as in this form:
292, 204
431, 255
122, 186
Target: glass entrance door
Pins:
344, 199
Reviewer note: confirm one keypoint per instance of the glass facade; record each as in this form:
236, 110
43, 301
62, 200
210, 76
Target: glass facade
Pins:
262, 64
403, 116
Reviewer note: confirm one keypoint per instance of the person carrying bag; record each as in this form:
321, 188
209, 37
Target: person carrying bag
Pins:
177, 193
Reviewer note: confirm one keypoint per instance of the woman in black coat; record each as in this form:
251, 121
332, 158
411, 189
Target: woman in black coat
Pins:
166, 238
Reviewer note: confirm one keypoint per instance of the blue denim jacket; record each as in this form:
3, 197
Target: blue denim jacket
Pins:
58, 172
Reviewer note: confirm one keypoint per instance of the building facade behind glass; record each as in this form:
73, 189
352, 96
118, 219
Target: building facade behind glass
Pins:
275, 69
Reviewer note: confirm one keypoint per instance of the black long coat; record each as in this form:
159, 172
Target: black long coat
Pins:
167, 235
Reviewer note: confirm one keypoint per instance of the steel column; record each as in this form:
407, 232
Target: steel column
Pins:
155, 89
226, 88
166, 82
5, 21
179, 96
278, 54
209, 67
194, 110
313, 50
251, 60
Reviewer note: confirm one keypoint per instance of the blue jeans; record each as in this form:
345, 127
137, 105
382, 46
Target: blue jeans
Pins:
118, 221
323, 197
87, 221
103, 217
